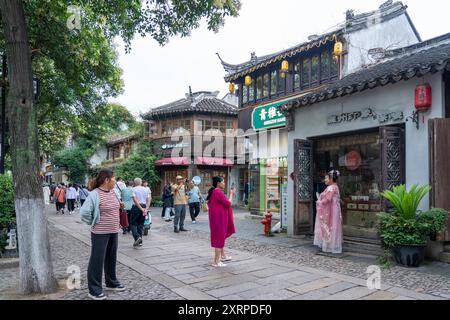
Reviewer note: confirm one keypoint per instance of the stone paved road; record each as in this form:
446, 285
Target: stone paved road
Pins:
431, 277
177, 266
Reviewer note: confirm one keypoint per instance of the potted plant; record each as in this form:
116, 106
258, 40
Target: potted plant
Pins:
405, 229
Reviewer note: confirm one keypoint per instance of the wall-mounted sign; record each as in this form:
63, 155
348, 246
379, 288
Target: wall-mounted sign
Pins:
366, 114
167, 146
268, 116
353, 160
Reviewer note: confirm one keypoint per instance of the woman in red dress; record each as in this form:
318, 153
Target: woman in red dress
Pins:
221, 221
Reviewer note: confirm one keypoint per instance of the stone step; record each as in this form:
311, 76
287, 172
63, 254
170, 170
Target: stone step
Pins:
444, 257
363, 248
447, 247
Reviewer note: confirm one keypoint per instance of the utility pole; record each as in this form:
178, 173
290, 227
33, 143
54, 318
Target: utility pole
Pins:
3, 115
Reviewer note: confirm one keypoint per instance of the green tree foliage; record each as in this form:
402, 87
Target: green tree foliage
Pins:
75, 162
7, 211
141, 164
95, 127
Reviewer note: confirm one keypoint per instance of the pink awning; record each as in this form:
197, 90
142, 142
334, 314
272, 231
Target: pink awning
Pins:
209, 161
180, 161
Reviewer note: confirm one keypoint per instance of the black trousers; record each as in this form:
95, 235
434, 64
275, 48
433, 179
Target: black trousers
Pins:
103, 257
71, 205
194, 210
137, 221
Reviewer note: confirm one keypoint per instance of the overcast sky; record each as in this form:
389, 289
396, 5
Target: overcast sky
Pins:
156, 75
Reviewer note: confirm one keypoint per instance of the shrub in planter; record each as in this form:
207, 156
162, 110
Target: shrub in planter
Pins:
7, 210
405, 229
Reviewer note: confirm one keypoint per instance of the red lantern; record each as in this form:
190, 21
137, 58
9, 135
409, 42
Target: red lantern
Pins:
423, 97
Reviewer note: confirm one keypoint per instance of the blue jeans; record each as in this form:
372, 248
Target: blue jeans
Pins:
137, 229
180, 215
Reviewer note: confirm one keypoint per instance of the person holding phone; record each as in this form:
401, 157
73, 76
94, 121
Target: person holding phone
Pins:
180, 203
221, 222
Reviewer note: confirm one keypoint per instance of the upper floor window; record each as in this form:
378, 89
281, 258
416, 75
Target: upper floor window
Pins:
306, 72
175, 126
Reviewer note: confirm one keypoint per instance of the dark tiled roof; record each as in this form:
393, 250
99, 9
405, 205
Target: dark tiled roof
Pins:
402, 64
201, 102
116, 139
386, 11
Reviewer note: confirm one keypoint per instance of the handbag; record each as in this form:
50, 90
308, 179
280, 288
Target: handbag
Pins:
123, 214
124, 219
205, 207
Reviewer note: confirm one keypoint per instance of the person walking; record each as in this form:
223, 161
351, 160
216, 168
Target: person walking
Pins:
221, 222
194, 201
101, 212
71, 196
52, 191
168, 202
120, 185
139, 211
77, 201
84, 193
60, 198
127, 199
46, 192
180, 203
328, 227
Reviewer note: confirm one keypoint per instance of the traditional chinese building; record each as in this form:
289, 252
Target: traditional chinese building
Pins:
184, 134
357, 99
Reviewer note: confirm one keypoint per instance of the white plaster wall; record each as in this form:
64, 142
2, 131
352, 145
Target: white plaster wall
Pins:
311, 122
391, 34
98, 157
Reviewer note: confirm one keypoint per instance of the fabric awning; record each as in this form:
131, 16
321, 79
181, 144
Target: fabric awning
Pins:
209, 161
175, 161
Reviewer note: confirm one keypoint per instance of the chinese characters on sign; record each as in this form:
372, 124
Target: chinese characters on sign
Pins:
268, 116
366, 114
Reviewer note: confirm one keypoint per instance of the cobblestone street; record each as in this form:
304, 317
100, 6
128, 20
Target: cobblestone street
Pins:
177, 266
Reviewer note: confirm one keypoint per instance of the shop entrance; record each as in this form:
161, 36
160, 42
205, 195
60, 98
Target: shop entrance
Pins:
171, 175
369, 162
207, 174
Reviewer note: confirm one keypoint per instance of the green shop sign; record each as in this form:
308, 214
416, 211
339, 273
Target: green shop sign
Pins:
268, 116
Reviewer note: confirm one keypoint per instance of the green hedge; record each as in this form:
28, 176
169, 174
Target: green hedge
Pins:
7, 211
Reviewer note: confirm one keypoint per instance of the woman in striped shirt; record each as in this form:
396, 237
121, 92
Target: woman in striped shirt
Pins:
104, 234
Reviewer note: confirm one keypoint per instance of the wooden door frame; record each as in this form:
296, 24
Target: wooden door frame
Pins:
437, 200
303, 206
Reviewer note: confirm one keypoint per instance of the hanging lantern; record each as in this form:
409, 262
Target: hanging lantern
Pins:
284, 66
231, 88
248, 81
423, 97
338, 49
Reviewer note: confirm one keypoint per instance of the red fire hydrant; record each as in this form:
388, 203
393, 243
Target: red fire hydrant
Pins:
267, 222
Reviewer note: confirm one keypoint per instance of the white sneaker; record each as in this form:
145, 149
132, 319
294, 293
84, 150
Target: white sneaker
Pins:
219, 265
194, 222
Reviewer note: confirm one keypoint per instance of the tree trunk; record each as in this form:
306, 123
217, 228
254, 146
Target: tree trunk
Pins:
36, 269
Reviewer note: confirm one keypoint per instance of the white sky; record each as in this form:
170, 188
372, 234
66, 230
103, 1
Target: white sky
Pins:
156, 75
